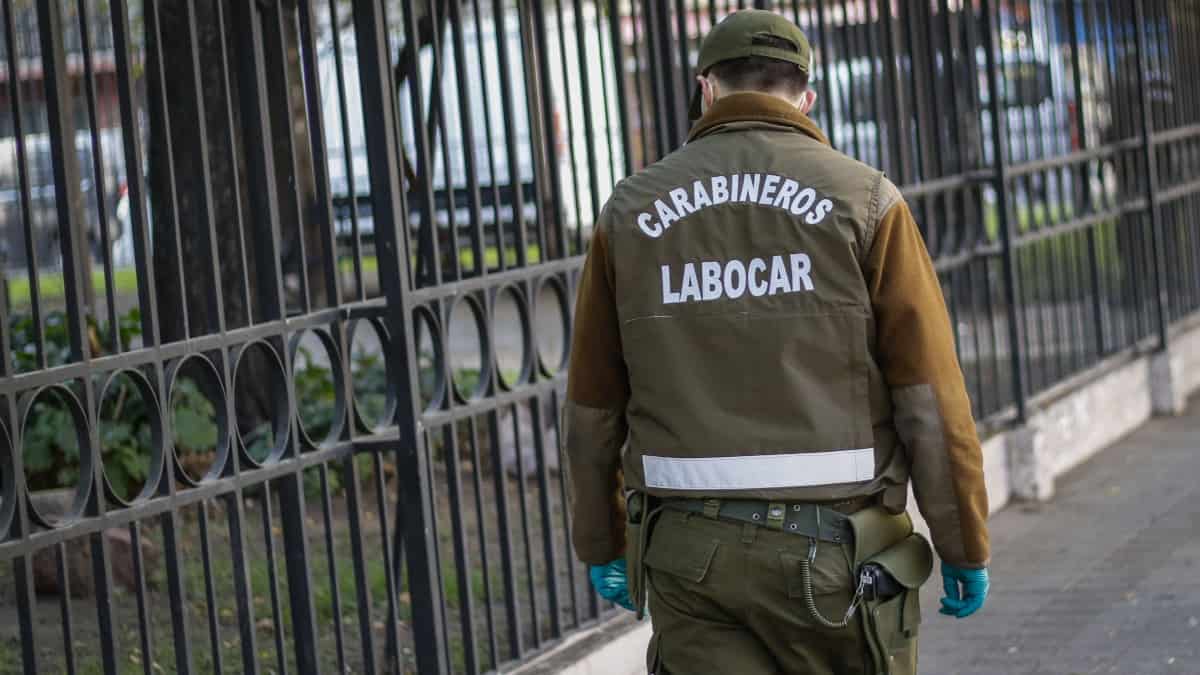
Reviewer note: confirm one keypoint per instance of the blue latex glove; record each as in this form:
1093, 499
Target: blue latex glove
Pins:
974, 589
611, 582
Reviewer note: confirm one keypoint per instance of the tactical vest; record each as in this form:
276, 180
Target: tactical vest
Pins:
746, 321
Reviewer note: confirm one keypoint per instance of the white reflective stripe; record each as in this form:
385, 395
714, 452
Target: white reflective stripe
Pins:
759, 472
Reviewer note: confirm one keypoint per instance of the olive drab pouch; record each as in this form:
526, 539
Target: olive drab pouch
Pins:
640, 512
635, 506
887, 549
876, 529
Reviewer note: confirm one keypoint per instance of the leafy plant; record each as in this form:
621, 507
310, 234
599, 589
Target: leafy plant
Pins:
125, 438
316, 400
370, 386
50, 448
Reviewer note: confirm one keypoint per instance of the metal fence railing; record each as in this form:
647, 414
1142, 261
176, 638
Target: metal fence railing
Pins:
1017, 130
288, 286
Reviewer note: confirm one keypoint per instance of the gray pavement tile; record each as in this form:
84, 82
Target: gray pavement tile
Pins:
1104, 579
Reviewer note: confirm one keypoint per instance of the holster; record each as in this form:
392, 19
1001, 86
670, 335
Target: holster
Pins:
640, 511
890, 624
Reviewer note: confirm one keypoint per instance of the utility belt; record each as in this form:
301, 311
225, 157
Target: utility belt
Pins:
825, 522
890, 561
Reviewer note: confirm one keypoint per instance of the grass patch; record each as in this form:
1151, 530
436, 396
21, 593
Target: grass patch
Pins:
10, 656
53, 287
1027, 218
466, 258
491, 256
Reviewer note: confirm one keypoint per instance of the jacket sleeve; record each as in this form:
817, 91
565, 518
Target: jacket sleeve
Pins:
594, 413
932, 411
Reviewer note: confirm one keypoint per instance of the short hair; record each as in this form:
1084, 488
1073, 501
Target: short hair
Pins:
760, 73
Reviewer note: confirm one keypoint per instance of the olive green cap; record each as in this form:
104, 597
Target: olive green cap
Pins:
739, 35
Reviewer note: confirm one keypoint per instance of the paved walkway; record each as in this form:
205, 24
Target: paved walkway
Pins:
1103, 579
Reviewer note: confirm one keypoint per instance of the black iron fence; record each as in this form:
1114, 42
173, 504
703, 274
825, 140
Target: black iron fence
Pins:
288, 286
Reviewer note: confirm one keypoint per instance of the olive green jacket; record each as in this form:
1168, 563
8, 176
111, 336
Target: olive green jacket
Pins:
758, 317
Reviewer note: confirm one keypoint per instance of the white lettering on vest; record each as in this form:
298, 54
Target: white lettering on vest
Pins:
679, 197
801, 265
669, 297
653, 230
710, 273
691, 285
820, 212
784, 198
720, 190
750, 183
803, 201
731, 279
757, 288
735, 289
700, 195
768, 192
779, 277
665, 215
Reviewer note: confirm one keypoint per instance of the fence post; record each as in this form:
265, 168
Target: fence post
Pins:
617, 38
662, 78
1004, 206
1084, 189
1149, 156
80, 296
425, 585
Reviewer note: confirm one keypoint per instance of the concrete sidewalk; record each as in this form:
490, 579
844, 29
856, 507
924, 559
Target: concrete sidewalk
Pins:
1103, 579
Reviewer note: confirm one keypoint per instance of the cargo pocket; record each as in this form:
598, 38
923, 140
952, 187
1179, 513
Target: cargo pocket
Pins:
679, 551
830, 571
891, 625
677, 560
829, 575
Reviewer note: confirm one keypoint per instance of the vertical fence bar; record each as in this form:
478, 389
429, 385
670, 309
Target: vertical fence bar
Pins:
424, 577
658, 32
67, 195
547, 174
463, 90
102, 215
295, 545
242, 587
1084, 190
618, 51
23, 188
362, 592
1150, 159
260, 164
429, 258
484, 536
1003, 203
323, 210
504, 525
134, 176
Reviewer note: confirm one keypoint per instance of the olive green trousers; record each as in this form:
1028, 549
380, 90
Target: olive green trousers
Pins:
728, 598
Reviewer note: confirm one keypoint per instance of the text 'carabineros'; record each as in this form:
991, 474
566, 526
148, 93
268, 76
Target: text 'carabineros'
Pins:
711, 280
743, 188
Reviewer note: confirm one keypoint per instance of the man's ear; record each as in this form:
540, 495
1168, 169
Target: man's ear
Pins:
807, 101
708, 90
